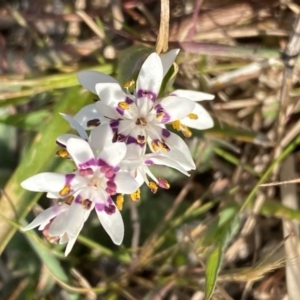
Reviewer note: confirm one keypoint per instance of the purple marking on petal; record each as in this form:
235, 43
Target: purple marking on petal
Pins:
149, 162
89, 163
158, 108
165, 133
147, 94
100, 206
78, 199
120, 111
102, 163
69, 178
111, 209
166, 117
121, 138
109, 200
111, 184
128, 100
110, 174
114, 123
116, 169
86, 172
111, 187
132, 140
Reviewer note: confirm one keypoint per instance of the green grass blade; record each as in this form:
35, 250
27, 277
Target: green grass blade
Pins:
212, 270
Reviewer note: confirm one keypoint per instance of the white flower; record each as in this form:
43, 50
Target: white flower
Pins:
138, 165
142, 116
96, 179
63, 222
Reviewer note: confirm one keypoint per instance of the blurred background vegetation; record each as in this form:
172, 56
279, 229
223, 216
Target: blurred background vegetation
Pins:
214, 235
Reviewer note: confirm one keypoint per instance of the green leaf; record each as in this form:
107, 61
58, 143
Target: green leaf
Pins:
212, 270
272, 208
17, 202
29, 121
217, 236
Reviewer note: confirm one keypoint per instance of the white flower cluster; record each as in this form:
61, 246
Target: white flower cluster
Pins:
128, 134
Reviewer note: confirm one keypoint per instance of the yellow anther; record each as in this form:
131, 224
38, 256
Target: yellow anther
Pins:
154, 146
86, 203
65, 190
136, 196
193, 116
163, 183
69, 200
160, 115
141, 139
153, 187
163, 146
185, 130
129, 84
176, 125
123, 105
119, 202
63, 153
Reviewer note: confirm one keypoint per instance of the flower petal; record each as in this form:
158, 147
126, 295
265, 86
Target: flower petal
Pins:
89, 79
110, 93
150, 77
63, 139
45, 182
112, 224
174, 108
126, 184
108, 111
113, 154
81, 153
101, 136
193, 95
71, 243
89, 117
44, 217
77, 215
159, 159
179, 151
74, 124
203, 121
167, 60
58, 226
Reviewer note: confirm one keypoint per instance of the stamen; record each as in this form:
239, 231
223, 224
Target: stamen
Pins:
185, 130
65, 190
129, 84
63, 153
119, 202
176, 125
153, 187
86, 172
163, 183
141, 139
163, 146
136, 196
69, 200
86, 203
160, 115
93, 123
154, 146
123, 105
141, 121
193, 116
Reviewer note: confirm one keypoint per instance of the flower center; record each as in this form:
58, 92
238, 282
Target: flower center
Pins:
94, 183
141, 121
